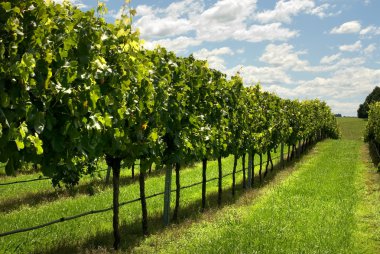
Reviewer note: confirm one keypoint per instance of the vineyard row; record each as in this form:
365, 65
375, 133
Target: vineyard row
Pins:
75, 89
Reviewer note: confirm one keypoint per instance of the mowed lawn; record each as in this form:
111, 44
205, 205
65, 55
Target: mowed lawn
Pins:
330, 203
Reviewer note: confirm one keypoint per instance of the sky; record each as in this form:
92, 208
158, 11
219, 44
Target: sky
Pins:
298, 49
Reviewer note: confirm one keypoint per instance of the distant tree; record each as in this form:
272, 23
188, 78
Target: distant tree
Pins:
338, 115
372, 97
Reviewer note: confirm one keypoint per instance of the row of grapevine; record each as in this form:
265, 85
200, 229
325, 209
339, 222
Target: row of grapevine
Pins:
372, 132
75, 89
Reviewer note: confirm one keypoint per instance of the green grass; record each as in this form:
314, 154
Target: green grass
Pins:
36, 203
38, 192
322, 204
352, 128
323, 207
367, 234
311, 212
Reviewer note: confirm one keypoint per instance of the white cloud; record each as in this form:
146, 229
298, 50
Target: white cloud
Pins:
330, 59
269, 32
178, 45
322, 11
226, 11
265, 75
224, 20
213, 57
328, 64
370, 49
204, 53
344, 83
346, 28
370, 31
175, 20
184, 8
151, 26
283, 92
284, 56
346, 62
144, 10
284, 10
351, 47
344, 108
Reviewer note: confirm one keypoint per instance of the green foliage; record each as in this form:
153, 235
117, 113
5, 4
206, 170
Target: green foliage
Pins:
373, 125
372, 97
74, 89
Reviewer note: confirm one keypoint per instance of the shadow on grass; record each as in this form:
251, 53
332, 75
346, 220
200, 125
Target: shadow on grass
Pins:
132, 232
374, 154
89, 188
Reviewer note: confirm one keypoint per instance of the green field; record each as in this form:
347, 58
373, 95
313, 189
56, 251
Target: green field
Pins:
327, 202
33, 203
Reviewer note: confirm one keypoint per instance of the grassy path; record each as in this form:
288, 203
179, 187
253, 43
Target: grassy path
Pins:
323, 207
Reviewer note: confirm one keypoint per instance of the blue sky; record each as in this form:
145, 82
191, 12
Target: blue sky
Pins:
296, 48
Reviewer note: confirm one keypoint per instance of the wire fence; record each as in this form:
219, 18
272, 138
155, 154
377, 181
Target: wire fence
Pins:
39, 179
64, 219
49, 178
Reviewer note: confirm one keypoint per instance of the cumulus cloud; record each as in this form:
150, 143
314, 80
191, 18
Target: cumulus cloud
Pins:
322, 11
369, 31
351, 47
178, 45
330, 59
151, 26
341, 90
284, 56
370, 49
204, 53
224, 20
344, 83
268, 32
213, 56
347, 28
175, 20
285, 10
226, 11
265, 75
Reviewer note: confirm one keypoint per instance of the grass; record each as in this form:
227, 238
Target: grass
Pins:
326, 203
367, 235
352, 128
329, 204
307, 213
33, 203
